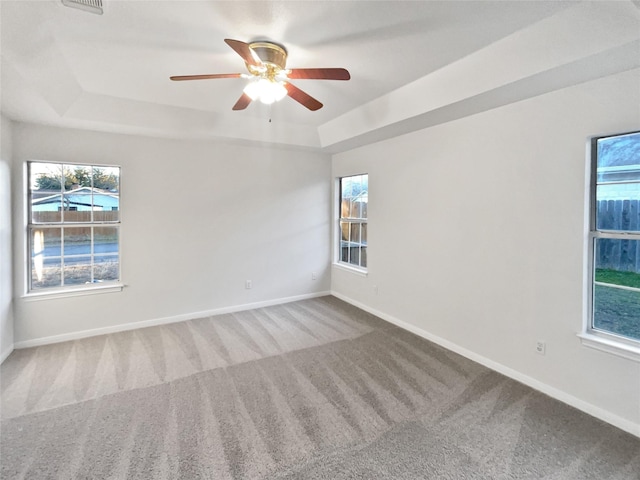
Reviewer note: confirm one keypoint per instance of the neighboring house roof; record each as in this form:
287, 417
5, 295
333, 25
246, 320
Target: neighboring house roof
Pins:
624, 173
83, 198
619, 183
361, 197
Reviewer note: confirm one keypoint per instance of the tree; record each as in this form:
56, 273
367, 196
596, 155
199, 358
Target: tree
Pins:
104, 180
81, 176
47, 182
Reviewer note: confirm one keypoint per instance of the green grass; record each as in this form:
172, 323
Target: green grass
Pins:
615, 277
617, 311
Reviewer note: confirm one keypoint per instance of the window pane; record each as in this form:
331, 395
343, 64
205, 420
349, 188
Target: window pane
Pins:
617, 269
618, 255
345, 228
106, 268
46, 208
353, 205
354, 255
617, 311
106, 207
344, 252
363, 195
77, 241
618, 183
107, 179
618, 155
345, 186
45, 177
77, 206
45, 186
105, 240
76, 177
345, 204
363, 256
355, 233
623, 215
354, 196
45, 258
77, 254
345, 197
355, 210
106, 194
77, 270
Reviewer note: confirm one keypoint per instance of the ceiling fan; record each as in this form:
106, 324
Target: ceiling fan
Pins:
269, 77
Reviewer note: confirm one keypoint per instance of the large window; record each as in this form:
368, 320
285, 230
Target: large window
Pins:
615, 238
354, 196
73, 225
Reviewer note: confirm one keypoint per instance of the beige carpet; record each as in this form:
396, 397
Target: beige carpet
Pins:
315, 389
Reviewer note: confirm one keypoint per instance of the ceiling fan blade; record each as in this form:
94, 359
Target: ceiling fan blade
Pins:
319, 74
244, 50
302, 97
243, 102
205, 77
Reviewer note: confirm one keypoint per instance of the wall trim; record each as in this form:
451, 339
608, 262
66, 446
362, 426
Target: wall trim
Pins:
562, 396
65, 337
6, 353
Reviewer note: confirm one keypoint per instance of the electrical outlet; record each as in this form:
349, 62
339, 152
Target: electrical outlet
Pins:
375, 289
247, 284
541, 347
313, 275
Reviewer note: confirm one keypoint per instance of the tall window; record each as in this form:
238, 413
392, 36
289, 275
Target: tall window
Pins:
354, 196
73, 225
615, 237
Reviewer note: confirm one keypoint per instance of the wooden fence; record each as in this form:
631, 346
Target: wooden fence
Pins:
76, 216
617, 254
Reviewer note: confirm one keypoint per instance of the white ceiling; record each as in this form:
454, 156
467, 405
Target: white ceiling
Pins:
413, 63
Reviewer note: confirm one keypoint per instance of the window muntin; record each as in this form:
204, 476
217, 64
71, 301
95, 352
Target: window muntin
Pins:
73, 225
615, 238
352, 232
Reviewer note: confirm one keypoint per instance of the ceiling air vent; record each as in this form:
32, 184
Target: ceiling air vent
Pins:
93, 6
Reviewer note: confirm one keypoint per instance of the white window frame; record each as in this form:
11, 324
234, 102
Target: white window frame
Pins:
77, 289
351, 220
590, 336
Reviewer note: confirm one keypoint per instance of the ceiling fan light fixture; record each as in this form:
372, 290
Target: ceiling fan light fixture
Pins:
269, 77
265, 90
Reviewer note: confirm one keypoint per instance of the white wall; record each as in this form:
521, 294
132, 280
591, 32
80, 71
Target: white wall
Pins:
198, 219
6, 291
477, 234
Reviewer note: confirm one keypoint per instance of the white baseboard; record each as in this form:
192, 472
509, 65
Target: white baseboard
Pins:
553, 392
6, 353
36, 342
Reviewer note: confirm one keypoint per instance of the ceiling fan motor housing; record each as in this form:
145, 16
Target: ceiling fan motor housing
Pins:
273, 56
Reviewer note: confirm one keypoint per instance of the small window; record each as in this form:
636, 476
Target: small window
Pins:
615, 238
73, 225
352, 236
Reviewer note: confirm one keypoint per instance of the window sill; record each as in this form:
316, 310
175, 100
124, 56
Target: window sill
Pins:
610, 346
73, 292
348, 268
